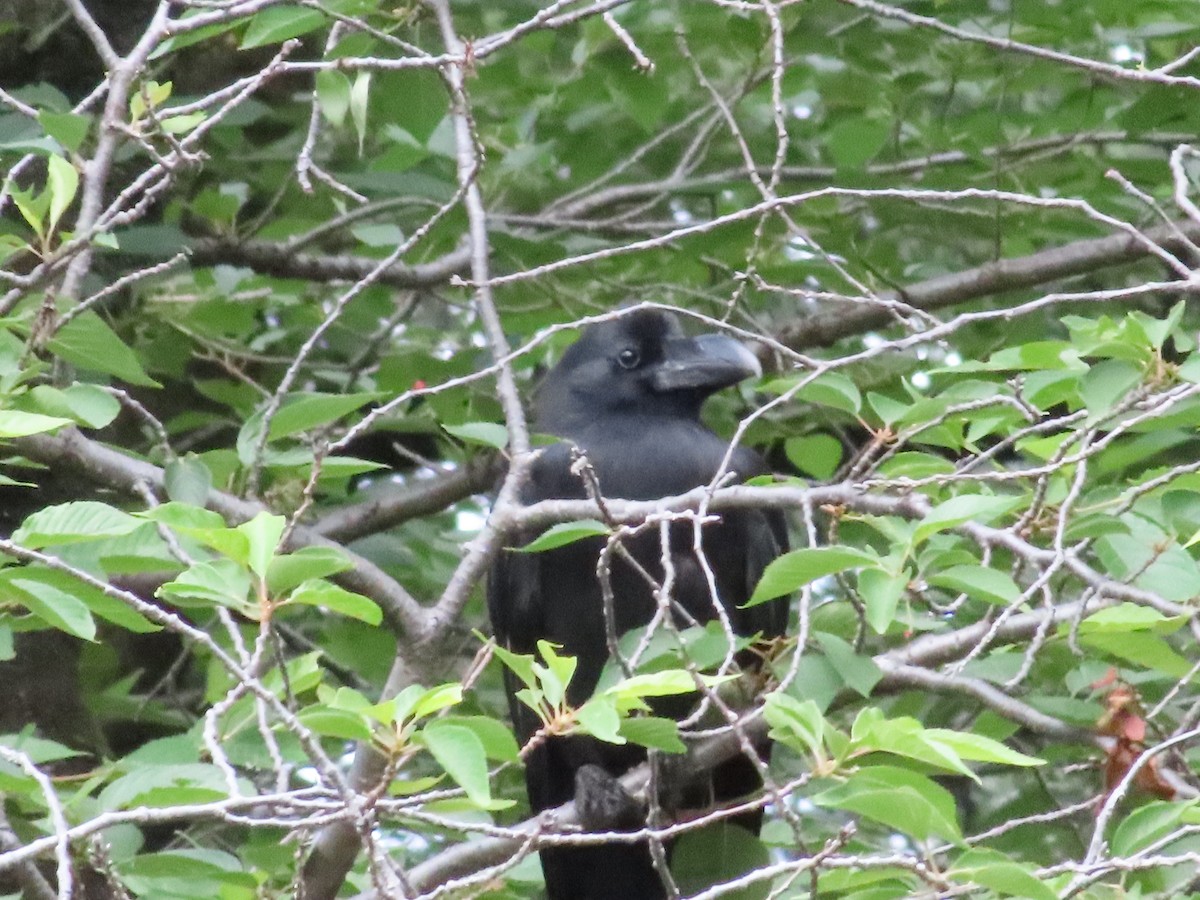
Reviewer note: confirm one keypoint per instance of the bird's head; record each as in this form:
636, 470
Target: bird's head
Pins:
640, 363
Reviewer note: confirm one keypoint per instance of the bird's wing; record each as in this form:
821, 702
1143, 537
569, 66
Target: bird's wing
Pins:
766, 539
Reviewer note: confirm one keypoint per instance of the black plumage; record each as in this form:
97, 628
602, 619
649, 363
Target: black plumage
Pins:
628, 395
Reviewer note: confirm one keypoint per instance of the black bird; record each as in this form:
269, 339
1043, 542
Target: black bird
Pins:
628, 395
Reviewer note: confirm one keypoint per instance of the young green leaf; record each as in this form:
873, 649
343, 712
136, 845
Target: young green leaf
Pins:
220, 581
263, 533
304, 412
338, 723
981, 582
333, 95
277, 24
654, 732
899, 798
995, 870
881, 592
489, 434
800, 567
460, 753
88, 342
318, 592
69, 523
981, 508
860, 673
62, 181
306, 563
565, 533
599, 718
54, 606
967, 745
799, 724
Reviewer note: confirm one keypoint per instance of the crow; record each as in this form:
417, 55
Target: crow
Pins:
627, 395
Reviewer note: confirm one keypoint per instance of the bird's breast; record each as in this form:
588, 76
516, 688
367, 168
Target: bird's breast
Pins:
634, 461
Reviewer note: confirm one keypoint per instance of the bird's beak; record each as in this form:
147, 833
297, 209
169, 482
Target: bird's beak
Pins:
706, 363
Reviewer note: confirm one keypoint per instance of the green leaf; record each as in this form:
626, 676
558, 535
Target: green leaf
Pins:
62, 181
716, 854
886, 408
434, 700
187, 480
33, 209
220, 581
834, 390
968, 745
903, 736
338, 723
187, 874
981, 582
360, 93
915, 465
1105, 384
1141, 648
799, 724
900, 799
185, 517
498, 741
980, 508
384, 234
1148, 824
1130, 617
69, 523
15, 424
288, 572
321, 593
881, 591
460, 753
489, 434
333, 95
554, 677
163, 786
304, 412
279, 23
654, 732
665, 683
69, 129
818, 455
520, 664
182, 124
90, 405
45, 582
992, 869
54, 606
263, 533
860, 673
40, 750
11, 245
800, 567
565, 533
86, 341
855, 140
405, 150
599, 718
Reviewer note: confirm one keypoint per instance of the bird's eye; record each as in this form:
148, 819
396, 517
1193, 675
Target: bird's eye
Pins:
629, 358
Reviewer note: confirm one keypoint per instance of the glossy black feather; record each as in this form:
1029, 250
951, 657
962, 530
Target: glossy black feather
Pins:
628, 394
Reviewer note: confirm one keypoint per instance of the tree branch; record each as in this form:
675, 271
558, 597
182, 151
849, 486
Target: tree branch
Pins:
97, 463
280, 259
1077, 258
411, 501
